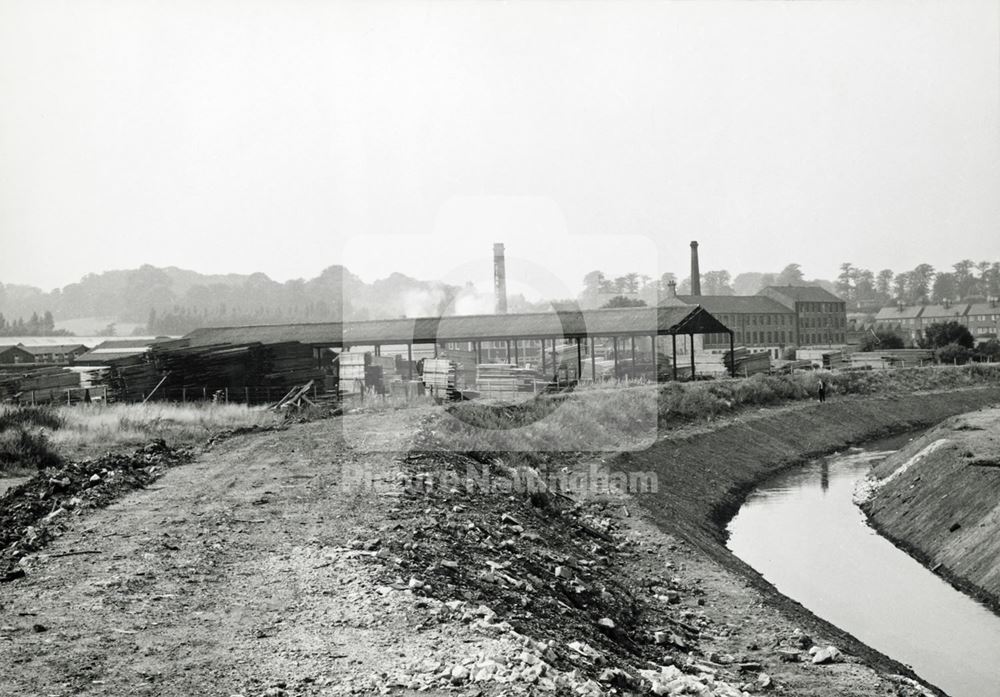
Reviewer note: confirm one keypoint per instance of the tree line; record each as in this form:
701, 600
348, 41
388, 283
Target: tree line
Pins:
33, 326
968, 281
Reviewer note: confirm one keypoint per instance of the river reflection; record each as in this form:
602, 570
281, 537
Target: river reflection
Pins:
803, 532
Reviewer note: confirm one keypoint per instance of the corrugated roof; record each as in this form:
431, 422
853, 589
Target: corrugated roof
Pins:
606, 322
737, 304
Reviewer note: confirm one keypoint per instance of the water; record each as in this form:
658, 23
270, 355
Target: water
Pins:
803, 532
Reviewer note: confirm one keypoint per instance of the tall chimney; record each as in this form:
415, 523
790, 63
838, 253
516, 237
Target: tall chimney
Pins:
499, 279
672, 289
695, 273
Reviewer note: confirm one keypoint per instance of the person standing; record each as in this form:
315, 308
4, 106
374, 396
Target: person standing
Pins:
822, 391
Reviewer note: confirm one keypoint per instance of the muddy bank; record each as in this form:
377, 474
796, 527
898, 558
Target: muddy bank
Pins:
937, 499
703, 477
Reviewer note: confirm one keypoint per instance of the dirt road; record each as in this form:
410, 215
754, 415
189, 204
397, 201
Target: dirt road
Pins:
232, 575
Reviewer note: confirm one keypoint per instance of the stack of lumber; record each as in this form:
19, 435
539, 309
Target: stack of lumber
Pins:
822, 358
38, 385
505, 381
717, 363
465, 365
352, 370
440, 377
176, 371
896, 358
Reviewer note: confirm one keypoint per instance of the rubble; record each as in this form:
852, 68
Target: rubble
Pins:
31, 513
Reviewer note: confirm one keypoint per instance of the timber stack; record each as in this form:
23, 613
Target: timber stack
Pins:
250, 372
440, 377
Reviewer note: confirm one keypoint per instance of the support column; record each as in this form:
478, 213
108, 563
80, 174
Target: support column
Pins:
692, 355
543, 357
614, 345
517, 360
579, 358
673, 362
632, 339
652, 356
508, 350
593, 359
732, 354
409, 361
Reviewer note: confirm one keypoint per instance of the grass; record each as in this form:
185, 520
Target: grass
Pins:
28, 416
616, 418
95, 429
22, 450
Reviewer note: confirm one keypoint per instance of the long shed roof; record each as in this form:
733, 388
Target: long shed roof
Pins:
564, 323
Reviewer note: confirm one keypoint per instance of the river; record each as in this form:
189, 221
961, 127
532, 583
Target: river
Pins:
804, 534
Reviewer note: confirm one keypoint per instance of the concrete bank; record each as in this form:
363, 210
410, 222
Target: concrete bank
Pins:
937, 500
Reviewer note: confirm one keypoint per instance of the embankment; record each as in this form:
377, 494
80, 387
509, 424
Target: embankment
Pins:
938, 499
703, 477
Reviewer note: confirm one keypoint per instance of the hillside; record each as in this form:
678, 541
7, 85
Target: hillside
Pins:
938, 498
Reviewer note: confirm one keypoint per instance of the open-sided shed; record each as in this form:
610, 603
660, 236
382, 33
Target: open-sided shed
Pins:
575, 326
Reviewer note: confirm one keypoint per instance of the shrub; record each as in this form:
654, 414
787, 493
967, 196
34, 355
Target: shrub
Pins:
22, 449
25, 416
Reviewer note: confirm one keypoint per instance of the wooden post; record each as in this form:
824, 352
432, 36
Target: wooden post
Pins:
692, 355
409, 361
32, 398
204, 393
184, 396
593, 360
517, 360
614, 344
543, 357
732, 354
246, 394
673, 361
68, 399
632, 339
555, 360
652, 356
227, 395
508, 350
579, 358
479, 352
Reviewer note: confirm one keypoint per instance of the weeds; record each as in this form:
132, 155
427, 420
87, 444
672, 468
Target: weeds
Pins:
22, 449
28, 416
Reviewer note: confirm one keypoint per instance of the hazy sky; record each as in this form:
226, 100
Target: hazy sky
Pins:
286, 136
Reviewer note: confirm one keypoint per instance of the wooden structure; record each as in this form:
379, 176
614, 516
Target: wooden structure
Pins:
574, 327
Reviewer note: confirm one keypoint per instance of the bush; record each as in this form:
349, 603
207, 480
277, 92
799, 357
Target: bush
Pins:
943, 334
22, 449
23, 417
953, 354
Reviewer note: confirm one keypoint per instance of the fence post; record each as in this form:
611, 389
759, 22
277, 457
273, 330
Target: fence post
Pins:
227, 395
246, 395
184, 395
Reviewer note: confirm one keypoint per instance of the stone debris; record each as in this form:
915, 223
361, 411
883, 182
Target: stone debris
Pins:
823, 656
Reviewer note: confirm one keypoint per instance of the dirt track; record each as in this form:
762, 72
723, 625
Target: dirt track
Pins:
229, 575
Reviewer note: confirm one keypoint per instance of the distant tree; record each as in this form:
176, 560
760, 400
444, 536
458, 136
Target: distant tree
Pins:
716, 283
880, 340
865, 285
622, 301
791, 275
941, 334
684, 287
593, 282
919, 283
109, 330
845, 281
945, 288
883, 283
900, 284
965, 281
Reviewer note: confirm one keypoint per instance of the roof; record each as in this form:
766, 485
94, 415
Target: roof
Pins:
54, 348
566, 323
115, 348
737, 304
984, 309
891, 313
809, 294
942, 312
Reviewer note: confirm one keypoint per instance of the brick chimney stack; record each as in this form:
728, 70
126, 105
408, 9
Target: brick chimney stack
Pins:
499, 279
695, 273
672, 289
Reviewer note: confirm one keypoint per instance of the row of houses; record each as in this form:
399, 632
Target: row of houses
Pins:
982, 319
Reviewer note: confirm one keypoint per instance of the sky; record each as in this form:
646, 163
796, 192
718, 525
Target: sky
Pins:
286, 136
